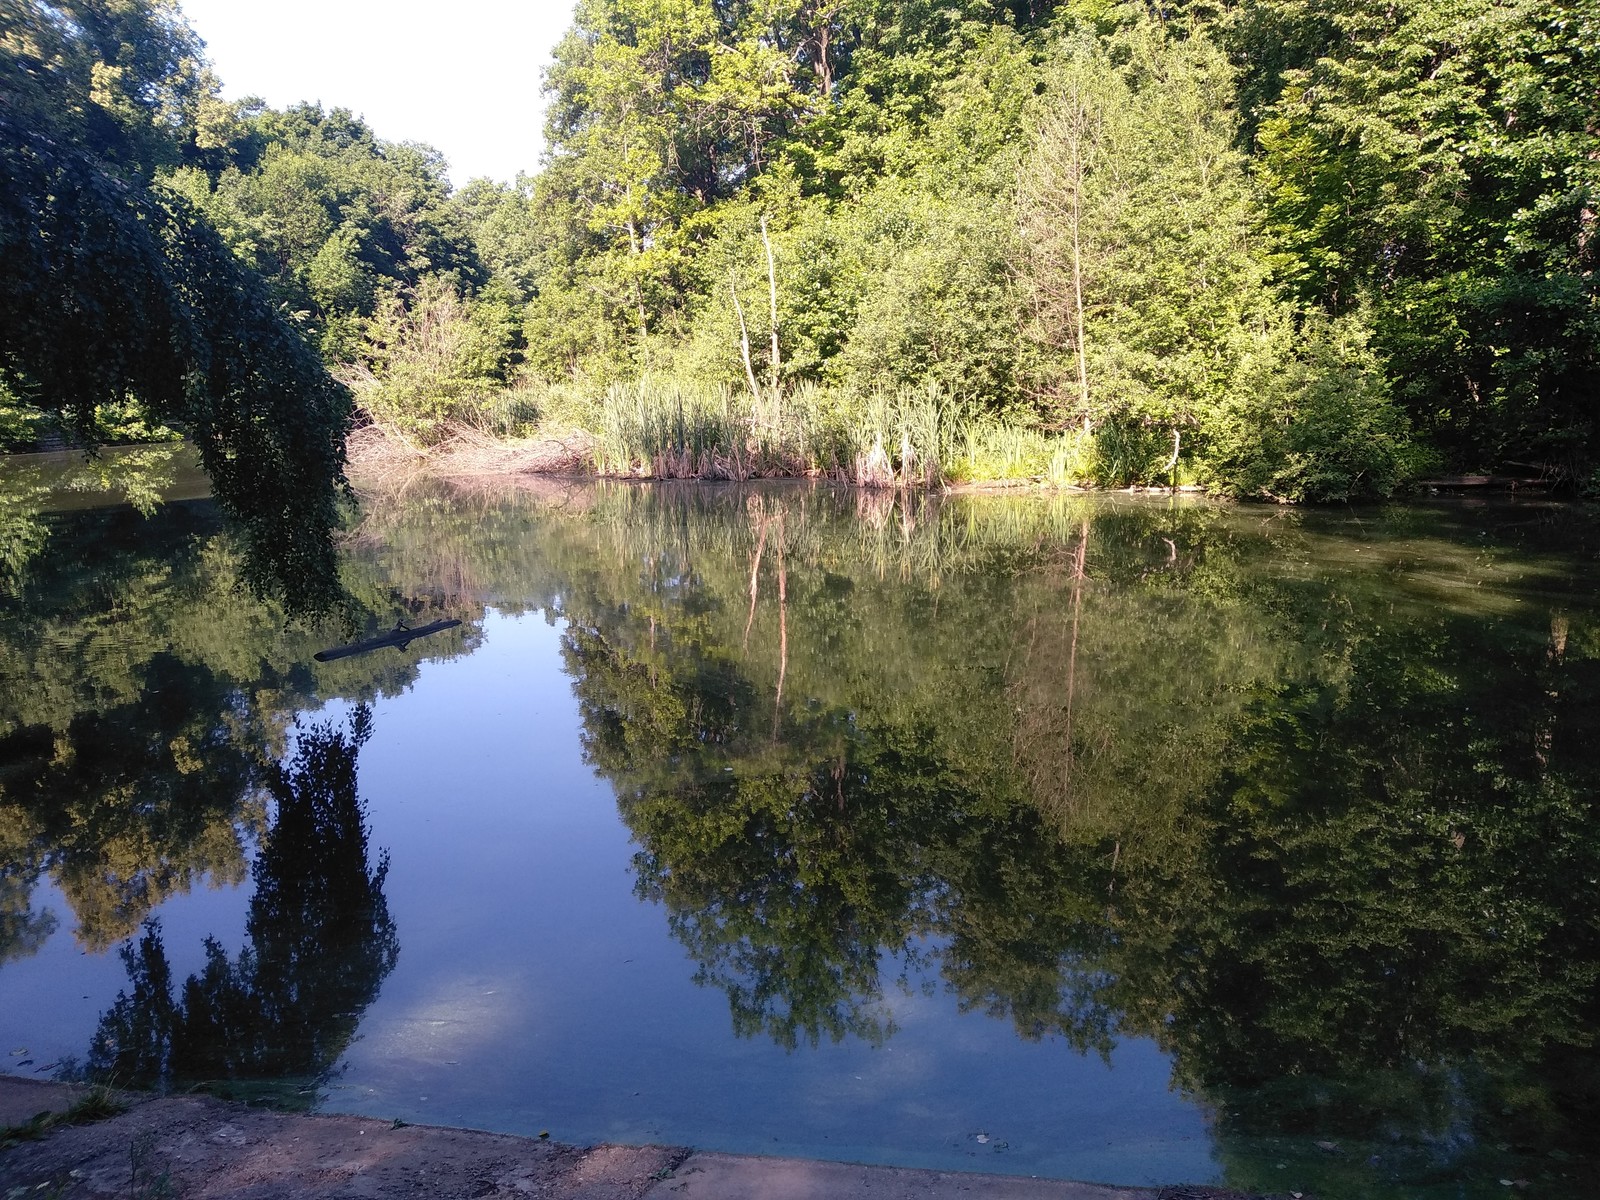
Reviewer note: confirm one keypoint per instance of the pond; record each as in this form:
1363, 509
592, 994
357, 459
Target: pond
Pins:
1134, 839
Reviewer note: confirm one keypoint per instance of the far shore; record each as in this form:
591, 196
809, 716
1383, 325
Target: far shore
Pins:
472, 457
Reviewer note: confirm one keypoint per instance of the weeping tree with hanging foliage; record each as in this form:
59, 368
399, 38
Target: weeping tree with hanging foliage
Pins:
112, 288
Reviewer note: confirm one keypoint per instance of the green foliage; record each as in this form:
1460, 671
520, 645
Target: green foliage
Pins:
334, 217
669, 429
432, 359
111, 288
987, 450
1074, 214
1311, 419
121, 80
943, 312
1125, 451
1146, 253
1436, 161
669, 195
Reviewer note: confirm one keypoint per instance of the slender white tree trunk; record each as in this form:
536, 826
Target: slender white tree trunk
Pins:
1077, 287
744, 347
772, 299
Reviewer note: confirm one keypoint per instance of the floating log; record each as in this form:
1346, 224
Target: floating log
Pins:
400, 637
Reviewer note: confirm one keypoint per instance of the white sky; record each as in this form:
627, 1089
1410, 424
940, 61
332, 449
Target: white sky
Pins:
460, 75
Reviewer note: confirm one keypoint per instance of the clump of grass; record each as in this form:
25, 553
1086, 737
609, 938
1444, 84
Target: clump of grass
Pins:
96, 1104
899, 437
511, 412
987, 450
666, 429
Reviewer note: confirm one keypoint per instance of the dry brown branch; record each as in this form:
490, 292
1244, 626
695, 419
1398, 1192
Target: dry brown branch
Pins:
377, 457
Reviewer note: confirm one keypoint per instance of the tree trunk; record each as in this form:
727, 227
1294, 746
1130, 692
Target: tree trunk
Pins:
744, 346
1077, 276
772, 297
638, 295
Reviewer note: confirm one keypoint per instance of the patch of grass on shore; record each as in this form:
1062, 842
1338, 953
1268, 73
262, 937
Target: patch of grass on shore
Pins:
96, 1104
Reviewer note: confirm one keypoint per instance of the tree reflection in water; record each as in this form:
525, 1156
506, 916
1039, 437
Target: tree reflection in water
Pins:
1310, 807
1332, 848
321, 942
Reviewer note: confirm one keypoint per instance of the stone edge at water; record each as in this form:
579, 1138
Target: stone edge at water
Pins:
198, 1147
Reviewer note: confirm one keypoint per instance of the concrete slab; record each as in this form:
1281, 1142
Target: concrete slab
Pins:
704, 1176
201, 1148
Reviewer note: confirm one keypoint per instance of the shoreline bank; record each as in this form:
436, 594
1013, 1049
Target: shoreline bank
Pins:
372, 455
199, 1147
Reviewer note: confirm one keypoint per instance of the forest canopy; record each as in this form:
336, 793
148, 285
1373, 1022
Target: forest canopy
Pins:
1278, 251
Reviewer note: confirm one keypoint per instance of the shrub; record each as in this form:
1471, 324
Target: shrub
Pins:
1125, 450
431, 361
1309, 419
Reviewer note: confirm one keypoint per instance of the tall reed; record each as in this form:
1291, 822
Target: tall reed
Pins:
664, 427
668, 429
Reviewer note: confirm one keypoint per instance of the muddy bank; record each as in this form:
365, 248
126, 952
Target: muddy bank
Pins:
198, 1147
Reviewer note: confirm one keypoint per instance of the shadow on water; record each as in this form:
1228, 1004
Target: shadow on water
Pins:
284, 541
274, 1019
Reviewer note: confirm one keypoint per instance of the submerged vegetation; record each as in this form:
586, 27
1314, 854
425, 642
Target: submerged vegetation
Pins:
1271, 251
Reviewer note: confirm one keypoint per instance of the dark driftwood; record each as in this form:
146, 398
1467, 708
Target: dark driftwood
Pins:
1453, 482
400, 636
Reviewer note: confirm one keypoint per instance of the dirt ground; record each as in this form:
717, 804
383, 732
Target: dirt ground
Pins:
198, 1147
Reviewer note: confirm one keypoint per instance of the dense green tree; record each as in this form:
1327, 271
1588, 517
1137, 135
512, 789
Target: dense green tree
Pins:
1233, 241
334, 217
431, 357
121, 80
1438, 160
1175, 240
1310, 416
1148, 255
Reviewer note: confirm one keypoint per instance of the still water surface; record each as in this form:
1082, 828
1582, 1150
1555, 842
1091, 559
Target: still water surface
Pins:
1130, 840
